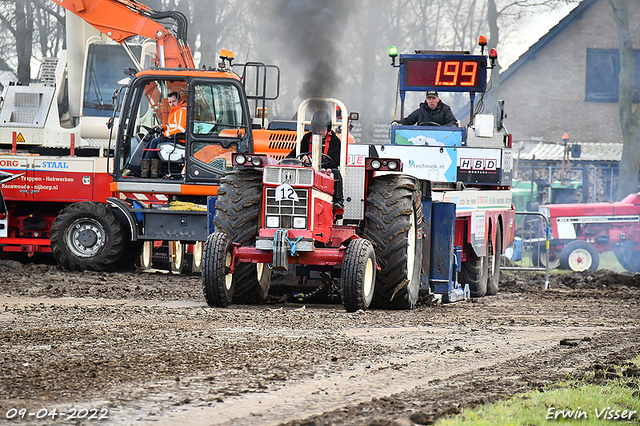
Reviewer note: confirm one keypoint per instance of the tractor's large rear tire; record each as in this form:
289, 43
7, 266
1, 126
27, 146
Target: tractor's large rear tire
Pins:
238, 209
628, 256
87, 236
218, 284
393, 223
474, 272
493, 267
579, 256
358, 275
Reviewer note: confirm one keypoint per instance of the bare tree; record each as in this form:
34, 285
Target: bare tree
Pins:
629, 119
36, 28
17, 18
220, 24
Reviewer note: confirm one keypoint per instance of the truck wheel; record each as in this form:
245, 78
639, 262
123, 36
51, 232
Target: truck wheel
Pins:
493, 269
393, 223
238, 212
579, 256
176, 257
358, 277
87, 236
217, 281
474, 272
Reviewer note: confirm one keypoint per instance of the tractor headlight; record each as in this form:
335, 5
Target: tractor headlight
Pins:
256, 161
273, 221
299, 222
241, 159
375, 164
392, 165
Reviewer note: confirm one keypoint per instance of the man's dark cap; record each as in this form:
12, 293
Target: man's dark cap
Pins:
432, 93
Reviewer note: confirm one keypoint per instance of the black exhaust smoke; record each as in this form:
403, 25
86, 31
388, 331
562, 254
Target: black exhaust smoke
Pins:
311, 31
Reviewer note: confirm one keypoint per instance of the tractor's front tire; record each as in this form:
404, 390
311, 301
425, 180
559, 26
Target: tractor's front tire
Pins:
238, 209
358, 278
579, 256
393, 223
87, 236
217, 279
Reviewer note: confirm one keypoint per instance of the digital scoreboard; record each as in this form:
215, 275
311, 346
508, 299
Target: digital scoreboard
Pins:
455, 73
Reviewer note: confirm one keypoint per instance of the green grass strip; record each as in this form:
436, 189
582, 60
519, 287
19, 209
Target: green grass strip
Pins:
608, 395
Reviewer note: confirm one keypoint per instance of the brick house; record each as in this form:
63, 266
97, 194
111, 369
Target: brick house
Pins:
567, 82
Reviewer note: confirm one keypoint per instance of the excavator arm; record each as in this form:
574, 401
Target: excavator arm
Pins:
121, 19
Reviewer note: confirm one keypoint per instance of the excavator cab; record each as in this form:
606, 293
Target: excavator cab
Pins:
217, 125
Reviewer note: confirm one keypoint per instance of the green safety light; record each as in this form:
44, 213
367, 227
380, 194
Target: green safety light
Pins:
393, 53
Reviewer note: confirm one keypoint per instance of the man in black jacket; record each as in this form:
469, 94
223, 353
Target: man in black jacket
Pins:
430, 112
331, 145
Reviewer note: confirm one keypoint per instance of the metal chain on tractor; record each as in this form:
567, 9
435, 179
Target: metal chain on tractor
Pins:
304, 296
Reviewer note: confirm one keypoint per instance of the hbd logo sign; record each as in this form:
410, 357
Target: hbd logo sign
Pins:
478, 164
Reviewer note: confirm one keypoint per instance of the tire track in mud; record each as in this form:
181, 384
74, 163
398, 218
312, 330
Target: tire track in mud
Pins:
166, 358
361, 383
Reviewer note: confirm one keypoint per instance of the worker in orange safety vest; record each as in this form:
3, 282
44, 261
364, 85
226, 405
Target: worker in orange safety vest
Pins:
177, 123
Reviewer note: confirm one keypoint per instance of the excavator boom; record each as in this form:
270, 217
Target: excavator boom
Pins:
121, 19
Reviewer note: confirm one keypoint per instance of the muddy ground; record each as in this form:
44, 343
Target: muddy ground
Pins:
143, 348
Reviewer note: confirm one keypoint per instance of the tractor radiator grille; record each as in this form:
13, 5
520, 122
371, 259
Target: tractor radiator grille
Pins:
292, 176
287, 210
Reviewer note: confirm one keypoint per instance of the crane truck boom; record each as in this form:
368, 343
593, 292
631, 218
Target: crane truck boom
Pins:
123, 19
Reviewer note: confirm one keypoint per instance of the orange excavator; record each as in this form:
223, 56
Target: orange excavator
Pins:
87, 203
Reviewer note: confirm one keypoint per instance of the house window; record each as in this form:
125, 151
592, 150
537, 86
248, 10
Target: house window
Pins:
603, 69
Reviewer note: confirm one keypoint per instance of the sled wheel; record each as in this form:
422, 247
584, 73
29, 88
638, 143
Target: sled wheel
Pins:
357, 281
217, 280
87, 236
579, 256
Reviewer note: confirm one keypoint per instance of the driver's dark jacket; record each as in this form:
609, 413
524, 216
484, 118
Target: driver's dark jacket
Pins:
441, 114
333, 162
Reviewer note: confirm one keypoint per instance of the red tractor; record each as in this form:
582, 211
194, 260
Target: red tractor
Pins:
270, 216
580, 232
